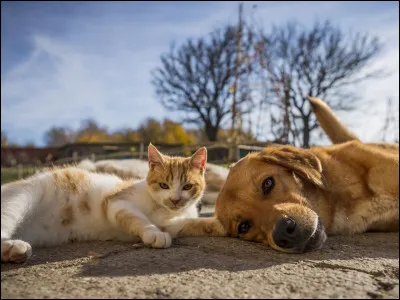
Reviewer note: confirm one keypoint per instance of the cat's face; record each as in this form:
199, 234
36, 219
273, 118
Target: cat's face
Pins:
176, 182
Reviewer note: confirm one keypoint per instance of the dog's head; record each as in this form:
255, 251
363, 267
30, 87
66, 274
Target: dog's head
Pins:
266, 199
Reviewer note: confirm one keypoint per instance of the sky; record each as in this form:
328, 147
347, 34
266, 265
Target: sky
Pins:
62, 62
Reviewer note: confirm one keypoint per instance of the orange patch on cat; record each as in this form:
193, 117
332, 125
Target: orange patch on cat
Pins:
120, 190
84, 206
67, 215
123, 219
128, 222
70, 179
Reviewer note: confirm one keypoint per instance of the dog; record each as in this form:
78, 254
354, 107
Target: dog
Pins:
292, 198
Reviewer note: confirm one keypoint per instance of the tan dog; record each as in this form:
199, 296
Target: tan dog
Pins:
289, 197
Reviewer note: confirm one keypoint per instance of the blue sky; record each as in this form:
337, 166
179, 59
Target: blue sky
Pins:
62, 62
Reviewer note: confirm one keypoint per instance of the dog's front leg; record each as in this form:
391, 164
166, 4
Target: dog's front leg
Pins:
210, 226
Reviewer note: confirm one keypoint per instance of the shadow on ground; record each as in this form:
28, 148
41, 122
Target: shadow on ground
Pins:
360, 266
127, 259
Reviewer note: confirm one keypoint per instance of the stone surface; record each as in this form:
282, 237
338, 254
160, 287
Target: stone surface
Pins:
360, 266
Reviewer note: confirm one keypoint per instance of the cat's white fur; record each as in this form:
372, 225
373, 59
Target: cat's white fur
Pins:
65, 204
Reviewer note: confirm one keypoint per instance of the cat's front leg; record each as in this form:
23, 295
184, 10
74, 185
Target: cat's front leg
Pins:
126, 216
209, 226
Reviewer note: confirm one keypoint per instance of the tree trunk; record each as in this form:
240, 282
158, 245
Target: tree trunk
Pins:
211, 132
286, 112
306, 132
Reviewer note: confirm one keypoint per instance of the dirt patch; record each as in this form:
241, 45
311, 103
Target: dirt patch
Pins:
360, 266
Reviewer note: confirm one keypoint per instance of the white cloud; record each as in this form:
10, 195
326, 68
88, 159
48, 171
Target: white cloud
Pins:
100, 65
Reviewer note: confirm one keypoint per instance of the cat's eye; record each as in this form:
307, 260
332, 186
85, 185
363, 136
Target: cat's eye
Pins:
164, 186
187, 187
244, 227
267, 185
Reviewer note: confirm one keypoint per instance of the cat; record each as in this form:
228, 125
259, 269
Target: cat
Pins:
214, 175
69, 203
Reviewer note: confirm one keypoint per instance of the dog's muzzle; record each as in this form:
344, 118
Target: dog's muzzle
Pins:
290, 237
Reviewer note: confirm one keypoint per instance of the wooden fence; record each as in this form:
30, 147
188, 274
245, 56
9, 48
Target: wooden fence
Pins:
22, 171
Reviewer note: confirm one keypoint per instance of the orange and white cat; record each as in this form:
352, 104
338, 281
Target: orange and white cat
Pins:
59, 205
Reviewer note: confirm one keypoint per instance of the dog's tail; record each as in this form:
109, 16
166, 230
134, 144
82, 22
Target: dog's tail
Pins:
330, 123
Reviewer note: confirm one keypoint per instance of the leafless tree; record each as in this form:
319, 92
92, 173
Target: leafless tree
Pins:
58, 136
198, 78
150, 131
321, 61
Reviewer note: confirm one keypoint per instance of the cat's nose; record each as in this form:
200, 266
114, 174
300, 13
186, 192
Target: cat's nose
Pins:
175, 201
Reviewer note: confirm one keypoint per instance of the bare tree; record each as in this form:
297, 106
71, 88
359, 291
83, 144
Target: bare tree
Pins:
91, 131
322, 62
58, 136
151, 131
198, 78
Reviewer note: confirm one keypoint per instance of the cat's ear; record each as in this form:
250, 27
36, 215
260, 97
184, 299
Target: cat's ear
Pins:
155, 157
199, 159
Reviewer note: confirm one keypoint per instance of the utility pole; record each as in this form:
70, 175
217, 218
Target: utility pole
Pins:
235, 84
389, 120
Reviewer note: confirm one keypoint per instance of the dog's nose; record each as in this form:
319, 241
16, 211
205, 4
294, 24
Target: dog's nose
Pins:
286, 234
175, 201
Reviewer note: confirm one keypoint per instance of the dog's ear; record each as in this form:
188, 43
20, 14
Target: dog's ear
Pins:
302, 162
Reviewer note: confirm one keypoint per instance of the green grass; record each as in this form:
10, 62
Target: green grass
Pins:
11, 174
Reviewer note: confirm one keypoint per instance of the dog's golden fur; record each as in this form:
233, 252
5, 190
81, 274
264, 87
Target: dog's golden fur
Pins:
350, 187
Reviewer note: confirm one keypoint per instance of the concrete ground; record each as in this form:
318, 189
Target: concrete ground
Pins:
360, 266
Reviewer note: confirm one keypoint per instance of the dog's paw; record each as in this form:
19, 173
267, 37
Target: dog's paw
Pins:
15, 251
156, 238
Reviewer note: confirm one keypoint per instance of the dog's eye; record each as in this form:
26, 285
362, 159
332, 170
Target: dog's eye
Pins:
187, 187
164, 186
267, 185
244, 227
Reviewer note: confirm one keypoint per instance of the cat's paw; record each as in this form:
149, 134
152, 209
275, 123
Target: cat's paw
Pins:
15, 251
156, 238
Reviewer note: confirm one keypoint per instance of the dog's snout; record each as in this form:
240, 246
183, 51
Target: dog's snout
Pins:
290, 225
293, 237
286, 234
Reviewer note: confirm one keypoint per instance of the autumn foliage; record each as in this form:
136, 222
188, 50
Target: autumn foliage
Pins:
150, 130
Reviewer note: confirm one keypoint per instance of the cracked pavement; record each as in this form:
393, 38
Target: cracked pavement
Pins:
359, 266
